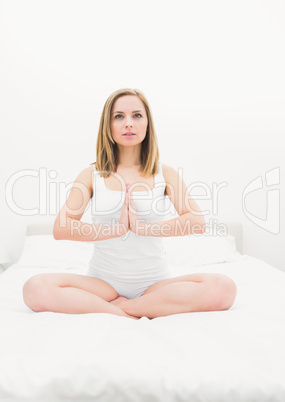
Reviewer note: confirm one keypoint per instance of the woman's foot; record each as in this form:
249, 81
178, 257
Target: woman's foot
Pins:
117, 303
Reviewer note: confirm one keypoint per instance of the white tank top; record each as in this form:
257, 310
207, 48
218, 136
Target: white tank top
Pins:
129, 258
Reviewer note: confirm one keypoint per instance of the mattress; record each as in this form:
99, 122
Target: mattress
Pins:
225, 356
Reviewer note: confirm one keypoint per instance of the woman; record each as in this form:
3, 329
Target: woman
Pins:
128, 274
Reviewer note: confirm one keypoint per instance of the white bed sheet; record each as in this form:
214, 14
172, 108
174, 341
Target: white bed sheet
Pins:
229, 356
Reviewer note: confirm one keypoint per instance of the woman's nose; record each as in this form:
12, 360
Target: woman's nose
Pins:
129, 122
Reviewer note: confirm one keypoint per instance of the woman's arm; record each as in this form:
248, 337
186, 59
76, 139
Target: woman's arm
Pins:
190, 218
67, 225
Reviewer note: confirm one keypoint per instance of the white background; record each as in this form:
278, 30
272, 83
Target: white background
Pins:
212, 71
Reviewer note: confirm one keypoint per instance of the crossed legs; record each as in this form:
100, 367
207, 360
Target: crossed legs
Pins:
77, 294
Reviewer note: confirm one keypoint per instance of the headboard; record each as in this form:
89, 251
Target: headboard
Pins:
233, 228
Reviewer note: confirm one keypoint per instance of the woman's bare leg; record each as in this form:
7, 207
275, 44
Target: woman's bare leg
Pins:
70, 293
187, 293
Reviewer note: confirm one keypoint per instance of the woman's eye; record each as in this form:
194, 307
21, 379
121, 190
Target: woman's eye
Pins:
119, 115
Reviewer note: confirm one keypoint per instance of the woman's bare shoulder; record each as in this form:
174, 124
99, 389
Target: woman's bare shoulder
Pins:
87, 172
168, 171
169, 174
85, 177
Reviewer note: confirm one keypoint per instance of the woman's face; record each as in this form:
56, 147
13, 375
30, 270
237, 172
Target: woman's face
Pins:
128, 115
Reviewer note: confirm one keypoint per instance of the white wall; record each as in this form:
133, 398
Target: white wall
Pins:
212, 71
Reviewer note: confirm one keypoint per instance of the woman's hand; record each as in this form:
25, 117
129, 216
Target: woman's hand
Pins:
136, 226
124, 223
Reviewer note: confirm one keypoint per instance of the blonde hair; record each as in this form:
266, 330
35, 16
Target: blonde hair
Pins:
107, 152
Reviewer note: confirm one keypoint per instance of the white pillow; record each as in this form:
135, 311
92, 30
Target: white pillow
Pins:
200, 249
44, 251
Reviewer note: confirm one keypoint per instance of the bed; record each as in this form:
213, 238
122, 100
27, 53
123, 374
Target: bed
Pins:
236, 355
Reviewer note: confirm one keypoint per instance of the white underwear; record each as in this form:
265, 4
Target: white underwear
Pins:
129, 290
